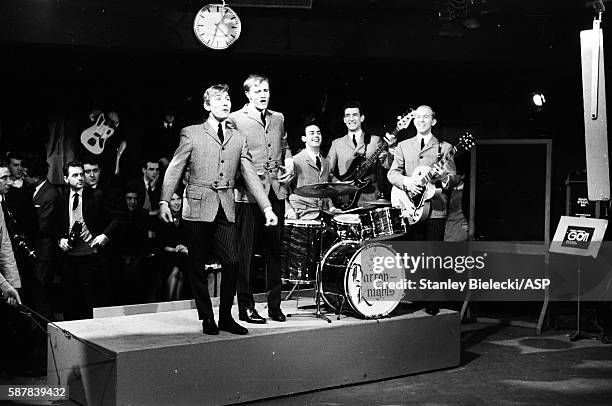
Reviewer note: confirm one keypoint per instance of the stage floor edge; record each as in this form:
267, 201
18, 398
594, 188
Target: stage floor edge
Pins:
163, 358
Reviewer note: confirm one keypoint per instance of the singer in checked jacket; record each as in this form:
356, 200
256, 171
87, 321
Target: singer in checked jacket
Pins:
214, 152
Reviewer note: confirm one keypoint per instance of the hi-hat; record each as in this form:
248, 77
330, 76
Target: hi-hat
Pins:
326, 190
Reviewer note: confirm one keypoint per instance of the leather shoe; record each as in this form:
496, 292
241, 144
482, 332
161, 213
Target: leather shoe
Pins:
210, 327
250, 315
277, 315
432, 309
232, 327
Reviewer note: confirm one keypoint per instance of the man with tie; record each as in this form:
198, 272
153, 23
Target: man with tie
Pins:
214, 152
310, 168
85, 222
265, 133
355, 142
424, 150
147, 186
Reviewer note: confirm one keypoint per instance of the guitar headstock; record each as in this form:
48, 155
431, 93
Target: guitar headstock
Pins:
404, 120
466, 141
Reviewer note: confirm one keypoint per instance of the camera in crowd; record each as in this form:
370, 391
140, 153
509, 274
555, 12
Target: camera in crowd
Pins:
75, 233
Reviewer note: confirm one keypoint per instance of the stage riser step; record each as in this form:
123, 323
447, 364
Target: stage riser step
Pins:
281, 361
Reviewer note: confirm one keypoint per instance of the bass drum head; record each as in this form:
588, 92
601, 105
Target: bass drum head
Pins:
353, 278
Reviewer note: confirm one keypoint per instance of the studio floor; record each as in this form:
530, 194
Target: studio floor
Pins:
500, 365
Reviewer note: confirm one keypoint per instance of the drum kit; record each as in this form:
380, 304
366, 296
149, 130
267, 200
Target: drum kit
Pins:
338, 254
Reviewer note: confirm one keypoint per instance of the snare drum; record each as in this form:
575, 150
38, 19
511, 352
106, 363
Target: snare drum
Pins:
352, 226
301, 250
354, 280
386, 222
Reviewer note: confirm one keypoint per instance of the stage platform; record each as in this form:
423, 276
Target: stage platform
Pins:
164, 359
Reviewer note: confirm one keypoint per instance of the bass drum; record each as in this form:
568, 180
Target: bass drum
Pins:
354, 280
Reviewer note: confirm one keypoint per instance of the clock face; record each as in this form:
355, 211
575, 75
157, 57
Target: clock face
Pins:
217, 26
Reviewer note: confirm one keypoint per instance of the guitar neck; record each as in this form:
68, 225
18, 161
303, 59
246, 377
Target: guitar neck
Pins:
363, 169
427, 178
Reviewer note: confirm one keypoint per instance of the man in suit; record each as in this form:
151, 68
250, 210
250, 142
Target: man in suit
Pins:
149, 193
355, 142
10, 279
43, 198
265, 133
110, 193
424, 150
147, 187
85, 253
310, 168
15, 166
214, 152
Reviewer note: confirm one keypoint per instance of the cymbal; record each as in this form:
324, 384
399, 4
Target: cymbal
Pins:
380, 203
325, 190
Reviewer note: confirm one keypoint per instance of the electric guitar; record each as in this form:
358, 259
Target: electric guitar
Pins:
94, 138
417, 208
361, 166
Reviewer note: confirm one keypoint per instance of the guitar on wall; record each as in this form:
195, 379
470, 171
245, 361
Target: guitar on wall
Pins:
94, 138
416, 208
361, 166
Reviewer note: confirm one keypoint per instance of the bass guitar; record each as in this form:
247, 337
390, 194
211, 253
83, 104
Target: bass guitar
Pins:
361, 166
416, 207
94, 137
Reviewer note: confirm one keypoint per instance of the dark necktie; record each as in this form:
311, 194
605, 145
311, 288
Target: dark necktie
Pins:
354, 140
220, 133
75, 202
263, 118
318, 162
422, 143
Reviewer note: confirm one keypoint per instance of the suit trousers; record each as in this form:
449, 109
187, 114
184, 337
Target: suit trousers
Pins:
212, 239
86, 283
250, 222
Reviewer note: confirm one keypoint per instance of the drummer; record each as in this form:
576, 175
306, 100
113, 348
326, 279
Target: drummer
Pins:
310, 168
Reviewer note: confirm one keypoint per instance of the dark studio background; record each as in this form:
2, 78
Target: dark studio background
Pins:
58, 57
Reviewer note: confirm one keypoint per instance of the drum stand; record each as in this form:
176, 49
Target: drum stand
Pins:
318, 290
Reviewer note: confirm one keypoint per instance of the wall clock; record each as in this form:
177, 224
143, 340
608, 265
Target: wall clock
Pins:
217, 26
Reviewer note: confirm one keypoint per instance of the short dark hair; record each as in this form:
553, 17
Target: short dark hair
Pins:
14, 155
352, 104
37, 168
91, 160
71, 164
3, 163
308, 123
146, 161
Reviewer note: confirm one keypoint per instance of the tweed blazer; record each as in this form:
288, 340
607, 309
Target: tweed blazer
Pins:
213, 168
408, 156
342, 152
307, 173
8, 266
268, 146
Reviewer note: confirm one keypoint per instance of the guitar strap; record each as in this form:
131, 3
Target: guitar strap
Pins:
438, 183
366, 140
